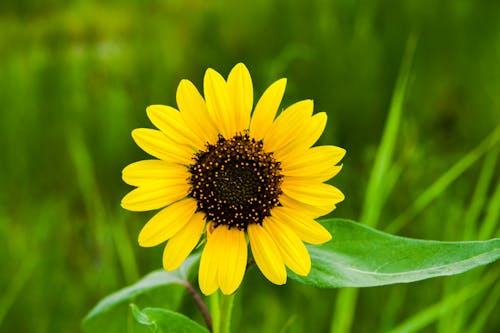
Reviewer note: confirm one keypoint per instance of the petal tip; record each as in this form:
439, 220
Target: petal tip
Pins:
210, 72
151, 110
327, 238
138, 133
207, 292
170, 265
142, 240
228, 291
322, 115
126, 204
342, 152
240, 67
206, 287
281, 83
123, 204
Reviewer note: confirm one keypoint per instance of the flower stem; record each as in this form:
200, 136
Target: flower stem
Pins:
221, 307
201, 304
226, 309
215, 310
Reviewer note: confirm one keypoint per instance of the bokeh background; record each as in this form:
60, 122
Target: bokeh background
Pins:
76, 76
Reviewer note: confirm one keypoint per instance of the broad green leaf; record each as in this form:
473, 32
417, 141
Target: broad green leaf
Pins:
159, 288
359, 256
161, 320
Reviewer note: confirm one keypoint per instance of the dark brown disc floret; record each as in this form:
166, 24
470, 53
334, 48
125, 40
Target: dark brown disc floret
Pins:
235, 182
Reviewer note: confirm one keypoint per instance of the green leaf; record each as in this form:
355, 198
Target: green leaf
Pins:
159, 288
359, 256
161, 320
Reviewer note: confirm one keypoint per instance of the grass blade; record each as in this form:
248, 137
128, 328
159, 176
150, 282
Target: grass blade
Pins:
472, 214
17, 283
443, 182
492, 214
487, 308
434, 312
373, 203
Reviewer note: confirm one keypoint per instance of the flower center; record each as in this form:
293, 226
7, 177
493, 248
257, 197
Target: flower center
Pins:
235, 182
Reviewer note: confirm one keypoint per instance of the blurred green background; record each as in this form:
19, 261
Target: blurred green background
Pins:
76, 76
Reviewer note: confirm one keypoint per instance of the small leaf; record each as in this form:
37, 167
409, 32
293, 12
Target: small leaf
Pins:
161, 320
157, 288
359, 256
140, 316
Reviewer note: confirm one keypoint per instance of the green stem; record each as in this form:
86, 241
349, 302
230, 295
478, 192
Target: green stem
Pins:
221, 308
215, 310
226, 309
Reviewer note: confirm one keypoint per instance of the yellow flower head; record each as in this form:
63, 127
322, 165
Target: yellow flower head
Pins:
234, 175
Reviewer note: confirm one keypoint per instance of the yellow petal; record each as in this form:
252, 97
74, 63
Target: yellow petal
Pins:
155, 195
167, 222
313, 211
319, 173
313, 156
287, 126
239, 83
210, 228
266, 254
312, 193
143, 172
266, 108
304, 139
231, 248
305, 227
292, 249
183, 242
171, 123
194, 112
207, 273
218, 103
158, 145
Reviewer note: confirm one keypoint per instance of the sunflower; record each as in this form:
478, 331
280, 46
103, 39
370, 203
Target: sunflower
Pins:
235, 176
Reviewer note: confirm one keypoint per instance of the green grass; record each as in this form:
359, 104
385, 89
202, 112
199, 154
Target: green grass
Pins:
421, 129
379, 184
